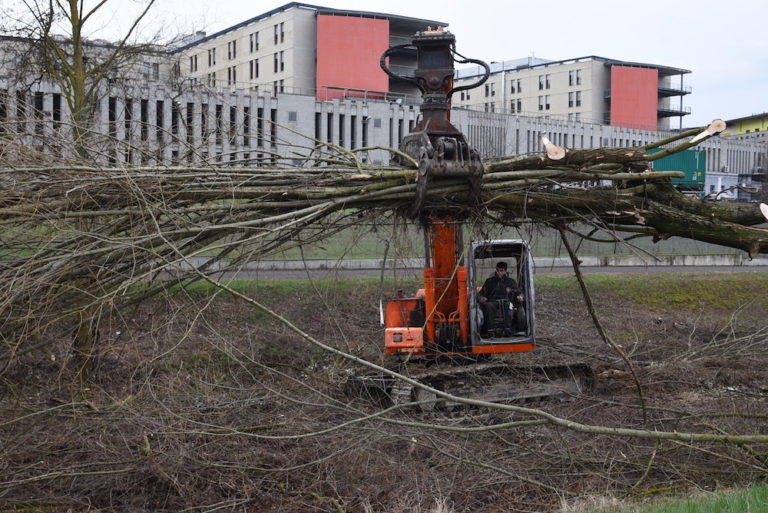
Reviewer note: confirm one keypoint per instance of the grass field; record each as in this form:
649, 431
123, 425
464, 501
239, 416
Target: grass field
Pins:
750, 500
375, 241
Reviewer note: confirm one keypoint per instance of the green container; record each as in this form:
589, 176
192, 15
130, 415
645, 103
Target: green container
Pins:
691, 162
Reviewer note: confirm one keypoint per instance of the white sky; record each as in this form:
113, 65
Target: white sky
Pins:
723, 43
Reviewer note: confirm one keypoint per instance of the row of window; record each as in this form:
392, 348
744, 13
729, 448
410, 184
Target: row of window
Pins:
253, 69
516, 85
516, 105
253, 46
187, 116
34, 104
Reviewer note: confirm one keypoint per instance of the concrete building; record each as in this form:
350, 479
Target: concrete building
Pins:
754, 124
590, 89
304, 49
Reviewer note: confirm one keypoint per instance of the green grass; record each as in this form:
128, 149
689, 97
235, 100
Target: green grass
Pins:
723, 291
750, 500
371, 242
274, 289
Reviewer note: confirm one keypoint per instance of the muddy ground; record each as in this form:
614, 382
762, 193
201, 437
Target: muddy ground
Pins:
201, 402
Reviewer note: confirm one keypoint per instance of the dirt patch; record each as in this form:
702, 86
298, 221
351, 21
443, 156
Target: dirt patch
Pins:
213, 404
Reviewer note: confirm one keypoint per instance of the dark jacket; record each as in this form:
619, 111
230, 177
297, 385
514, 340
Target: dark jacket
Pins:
500, 288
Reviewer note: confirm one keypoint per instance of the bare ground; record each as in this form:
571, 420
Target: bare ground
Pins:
202, 404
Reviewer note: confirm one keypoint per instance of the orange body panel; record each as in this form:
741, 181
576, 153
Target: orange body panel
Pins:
403, 340
399, 312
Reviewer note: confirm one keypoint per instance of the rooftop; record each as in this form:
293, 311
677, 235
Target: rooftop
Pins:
535, 62
402, 23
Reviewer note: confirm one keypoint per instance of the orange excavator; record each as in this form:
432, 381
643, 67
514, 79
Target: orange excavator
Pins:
443, 334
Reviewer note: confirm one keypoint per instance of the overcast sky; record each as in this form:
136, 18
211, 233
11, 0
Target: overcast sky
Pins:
723, 43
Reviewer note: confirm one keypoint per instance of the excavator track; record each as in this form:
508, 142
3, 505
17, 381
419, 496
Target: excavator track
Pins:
490, 382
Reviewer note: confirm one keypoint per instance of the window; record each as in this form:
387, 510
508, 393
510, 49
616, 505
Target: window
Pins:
546, 102
231, 50
3, 109
246, 128
277, 33
462, 96
282, 32
204, 121
254, 69
219, 122
174, 118
128, 119
570, 99
155, 70
159, 119
111, 116
145, 69
541, 82
189, 121
512, 106
232, 75
144, 113
193, 64
233, 125
490, 89
541, 103
276, 61
282, 60
519, 105
574, 77
546, 81
211, 57
254, 42
578, 98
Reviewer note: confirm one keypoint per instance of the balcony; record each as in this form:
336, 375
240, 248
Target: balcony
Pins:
669, 111
667, 91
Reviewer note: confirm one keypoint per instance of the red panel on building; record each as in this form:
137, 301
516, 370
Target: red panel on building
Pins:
348, 53
634, 97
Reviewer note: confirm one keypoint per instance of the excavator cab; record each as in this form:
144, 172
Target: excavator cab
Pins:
511, 322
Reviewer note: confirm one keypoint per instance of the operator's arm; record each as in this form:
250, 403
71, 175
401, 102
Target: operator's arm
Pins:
515, 293
482, 296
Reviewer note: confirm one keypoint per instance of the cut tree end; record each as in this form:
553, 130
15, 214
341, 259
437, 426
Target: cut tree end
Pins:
714, 128
554, 152
764, 209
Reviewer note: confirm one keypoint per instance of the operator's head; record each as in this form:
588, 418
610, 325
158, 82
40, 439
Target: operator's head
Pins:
501, 268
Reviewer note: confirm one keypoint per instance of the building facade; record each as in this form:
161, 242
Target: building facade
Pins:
590, 89
304, 49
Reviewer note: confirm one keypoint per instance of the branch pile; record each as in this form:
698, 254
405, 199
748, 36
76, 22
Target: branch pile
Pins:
83, 239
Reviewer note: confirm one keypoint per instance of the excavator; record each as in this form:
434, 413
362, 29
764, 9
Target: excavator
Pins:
443, 336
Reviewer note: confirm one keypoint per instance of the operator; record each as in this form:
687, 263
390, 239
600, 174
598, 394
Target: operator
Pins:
498, 286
